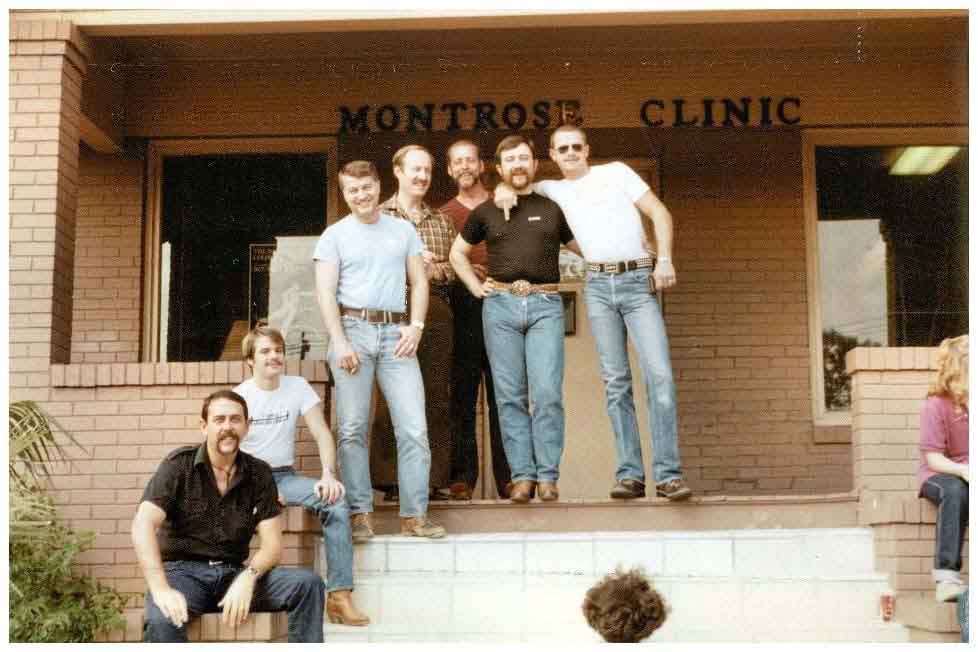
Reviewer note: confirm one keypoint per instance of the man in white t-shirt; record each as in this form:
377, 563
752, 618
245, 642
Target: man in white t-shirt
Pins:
275, 403
605, 206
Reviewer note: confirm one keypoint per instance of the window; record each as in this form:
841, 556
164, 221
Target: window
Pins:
230, 240
888, 221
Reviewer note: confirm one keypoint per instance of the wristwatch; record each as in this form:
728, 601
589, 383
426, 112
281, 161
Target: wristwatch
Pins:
254, 571
419, 325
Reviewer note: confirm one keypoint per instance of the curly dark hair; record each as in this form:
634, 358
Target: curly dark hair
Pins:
623, 607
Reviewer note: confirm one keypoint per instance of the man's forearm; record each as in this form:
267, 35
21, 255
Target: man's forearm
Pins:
463, 268
331, 316
419, 301
265, 559
148, 554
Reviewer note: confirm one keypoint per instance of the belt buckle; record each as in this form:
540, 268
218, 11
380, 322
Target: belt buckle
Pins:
214, 562
621, 267
520, 288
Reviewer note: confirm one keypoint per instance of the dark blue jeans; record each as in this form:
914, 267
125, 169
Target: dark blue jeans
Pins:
296, 590
950, 494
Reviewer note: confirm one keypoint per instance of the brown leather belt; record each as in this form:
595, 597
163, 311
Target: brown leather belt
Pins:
375, 316
622, 267
523, 288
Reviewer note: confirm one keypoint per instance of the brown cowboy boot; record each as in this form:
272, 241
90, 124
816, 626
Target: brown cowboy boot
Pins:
522, 491
547, 491
361, 527
340, 610
420, 526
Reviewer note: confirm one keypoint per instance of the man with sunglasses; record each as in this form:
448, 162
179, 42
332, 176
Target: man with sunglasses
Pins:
605, 206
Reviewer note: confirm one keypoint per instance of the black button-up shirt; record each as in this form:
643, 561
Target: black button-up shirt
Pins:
201, 524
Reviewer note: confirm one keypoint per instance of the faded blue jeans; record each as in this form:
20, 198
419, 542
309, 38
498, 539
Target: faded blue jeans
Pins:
949, 494
621, 307
337, 539
296, 590
400, 383
525, 342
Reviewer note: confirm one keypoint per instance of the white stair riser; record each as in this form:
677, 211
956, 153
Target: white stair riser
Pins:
771, 553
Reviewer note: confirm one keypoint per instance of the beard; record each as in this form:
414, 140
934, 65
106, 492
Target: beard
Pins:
466, 180
523, 174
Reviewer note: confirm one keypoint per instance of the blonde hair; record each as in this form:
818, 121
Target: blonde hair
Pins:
261, 329
952, 371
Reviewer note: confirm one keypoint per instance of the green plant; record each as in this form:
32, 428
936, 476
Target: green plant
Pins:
48, 601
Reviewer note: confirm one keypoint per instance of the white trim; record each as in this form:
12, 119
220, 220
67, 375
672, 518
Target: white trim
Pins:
160, 149
862, 137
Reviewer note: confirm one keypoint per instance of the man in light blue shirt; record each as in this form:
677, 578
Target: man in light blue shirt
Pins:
363, 263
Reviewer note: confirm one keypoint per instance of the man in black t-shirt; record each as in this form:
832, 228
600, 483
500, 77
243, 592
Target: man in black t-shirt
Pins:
523, 317
207, 501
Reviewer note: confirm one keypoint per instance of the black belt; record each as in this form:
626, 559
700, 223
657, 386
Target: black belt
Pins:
622, 267
375, 316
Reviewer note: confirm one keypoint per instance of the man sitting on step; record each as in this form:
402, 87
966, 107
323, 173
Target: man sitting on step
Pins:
275, 402
207, 501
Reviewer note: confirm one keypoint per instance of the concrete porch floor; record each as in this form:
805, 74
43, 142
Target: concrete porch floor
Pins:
698, 513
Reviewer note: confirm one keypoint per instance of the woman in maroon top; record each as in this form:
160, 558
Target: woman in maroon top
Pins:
943, 473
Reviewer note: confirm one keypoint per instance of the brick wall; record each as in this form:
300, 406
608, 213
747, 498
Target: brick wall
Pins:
108, 260
888, 387
46, 68
738, 318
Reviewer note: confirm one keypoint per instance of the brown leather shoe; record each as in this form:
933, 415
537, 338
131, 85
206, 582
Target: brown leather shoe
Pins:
340, 610
420, 526
675, 489
361, 527
522, 491
460, 491
505, 491
627, 488
548, 491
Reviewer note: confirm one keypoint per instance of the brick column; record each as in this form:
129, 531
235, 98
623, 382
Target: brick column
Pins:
888, 387
47, 63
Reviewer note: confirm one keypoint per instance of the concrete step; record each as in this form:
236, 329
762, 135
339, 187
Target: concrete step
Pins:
774, 553
781, 585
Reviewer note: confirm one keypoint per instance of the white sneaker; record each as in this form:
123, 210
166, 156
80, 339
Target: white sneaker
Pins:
949, 590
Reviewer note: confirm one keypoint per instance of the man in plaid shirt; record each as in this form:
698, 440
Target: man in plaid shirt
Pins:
412, 168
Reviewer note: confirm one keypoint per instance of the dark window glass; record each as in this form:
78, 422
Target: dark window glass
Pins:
222, 216
893, 251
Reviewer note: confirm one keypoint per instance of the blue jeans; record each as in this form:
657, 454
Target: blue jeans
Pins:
400, 383
525, 342
337, 540
296, 590
950, 494
621, 307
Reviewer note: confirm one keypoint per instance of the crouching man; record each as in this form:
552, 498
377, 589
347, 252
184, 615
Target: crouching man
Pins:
207, 501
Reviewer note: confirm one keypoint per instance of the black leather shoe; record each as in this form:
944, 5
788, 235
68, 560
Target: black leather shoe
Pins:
626, 489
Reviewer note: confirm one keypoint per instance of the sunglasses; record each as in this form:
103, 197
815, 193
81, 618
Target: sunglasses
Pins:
577, 147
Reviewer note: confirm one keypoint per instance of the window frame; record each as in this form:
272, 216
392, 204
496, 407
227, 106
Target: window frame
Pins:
157, 151
855, 137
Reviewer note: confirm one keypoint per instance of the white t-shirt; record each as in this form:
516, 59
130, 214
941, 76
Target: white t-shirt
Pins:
273, 416
600, 209
372, 260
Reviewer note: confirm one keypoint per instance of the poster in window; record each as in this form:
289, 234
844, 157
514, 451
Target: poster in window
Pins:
260, 258
282, 290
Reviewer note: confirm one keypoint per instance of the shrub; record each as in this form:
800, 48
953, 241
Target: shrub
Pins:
48, 602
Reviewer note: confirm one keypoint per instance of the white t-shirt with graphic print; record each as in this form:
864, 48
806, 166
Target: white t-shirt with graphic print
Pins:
274, 416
